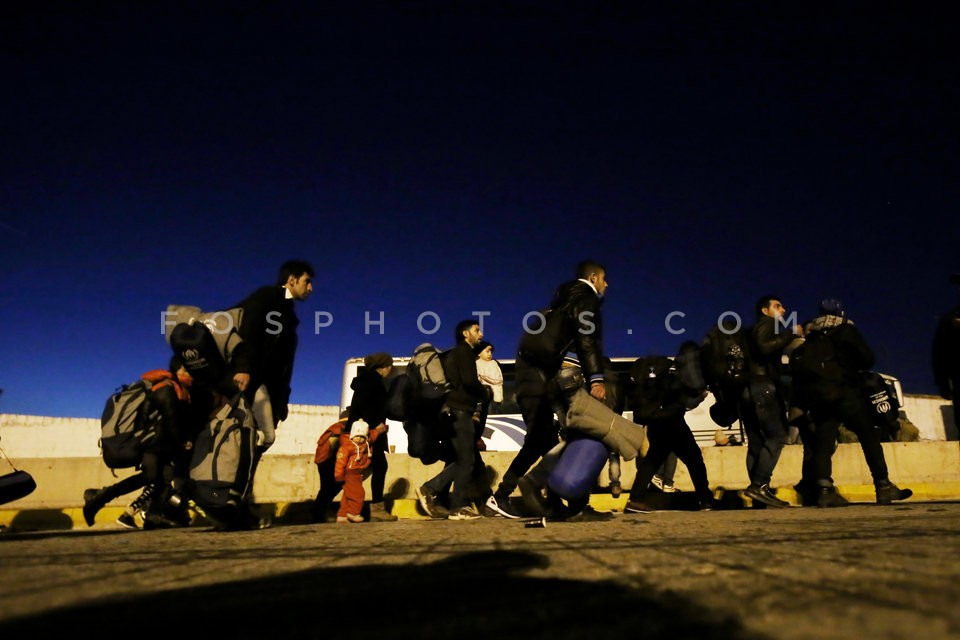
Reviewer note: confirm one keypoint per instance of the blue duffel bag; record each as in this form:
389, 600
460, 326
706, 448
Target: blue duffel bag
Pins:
580, 463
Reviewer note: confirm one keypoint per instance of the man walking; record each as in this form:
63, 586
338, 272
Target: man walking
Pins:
462, 411
763, 408
828, 382
572, 322
269, 331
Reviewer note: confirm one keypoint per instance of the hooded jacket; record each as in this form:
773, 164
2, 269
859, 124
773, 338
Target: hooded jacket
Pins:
369, 401
852, 352
573, 324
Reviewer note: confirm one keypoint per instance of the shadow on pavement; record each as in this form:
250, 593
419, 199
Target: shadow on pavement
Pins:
470, 595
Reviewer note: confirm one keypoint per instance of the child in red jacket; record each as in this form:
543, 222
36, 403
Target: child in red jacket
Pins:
353, 459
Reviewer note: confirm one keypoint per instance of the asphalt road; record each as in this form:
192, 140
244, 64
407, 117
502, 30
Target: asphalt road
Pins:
859, 572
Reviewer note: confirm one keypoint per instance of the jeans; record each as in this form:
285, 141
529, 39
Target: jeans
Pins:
764, 420
671, 435
459, 472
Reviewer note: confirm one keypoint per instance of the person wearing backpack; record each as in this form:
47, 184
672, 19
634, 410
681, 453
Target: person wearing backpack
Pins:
762, 403
369, 403
827, 375
572, 322
165, 418
660, 399
460, 417
946, 356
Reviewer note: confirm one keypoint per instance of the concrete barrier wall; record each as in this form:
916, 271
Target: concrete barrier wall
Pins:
45, 437
63, 456
932, 469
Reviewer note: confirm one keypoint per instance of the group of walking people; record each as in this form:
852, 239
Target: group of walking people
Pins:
769, 400
772, 396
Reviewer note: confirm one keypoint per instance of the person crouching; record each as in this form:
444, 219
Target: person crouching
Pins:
353, 460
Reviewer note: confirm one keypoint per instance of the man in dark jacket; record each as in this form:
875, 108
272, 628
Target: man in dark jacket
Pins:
462, 410
572, 322
762, 405
946, 356
827, 376
269, 332
369, 403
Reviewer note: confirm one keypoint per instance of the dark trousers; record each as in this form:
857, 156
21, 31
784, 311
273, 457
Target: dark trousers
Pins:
956, 405
851, 410
125, 486
378, 467
671, 435
808, 440
459, 472
329, 488
764, 420
543, 434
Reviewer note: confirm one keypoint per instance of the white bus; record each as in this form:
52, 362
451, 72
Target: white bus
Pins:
505, 429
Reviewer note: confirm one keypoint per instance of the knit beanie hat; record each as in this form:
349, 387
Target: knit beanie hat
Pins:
831, 307
360, 428
377, 360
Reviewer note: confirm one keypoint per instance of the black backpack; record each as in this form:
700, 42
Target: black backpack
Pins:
724, 359
398, 397
654, 386
690, 372
816, 372
882, 404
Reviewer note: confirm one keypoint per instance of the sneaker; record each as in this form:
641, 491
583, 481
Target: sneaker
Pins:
706, 504
501, 506
615, 489
428, 502
353, 517
533, 497
762, 493
342, 519
464, 513
127, 520
636, 506
887, 492
828, 497
665, 487
93, 501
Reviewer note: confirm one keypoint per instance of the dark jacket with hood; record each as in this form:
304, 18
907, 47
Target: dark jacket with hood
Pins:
573, 324
853, 355
369, 399
460, 369
946, 351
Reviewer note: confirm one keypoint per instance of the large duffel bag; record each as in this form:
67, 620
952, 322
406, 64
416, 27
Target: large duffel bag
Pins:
578, 468
221, 469
16, 485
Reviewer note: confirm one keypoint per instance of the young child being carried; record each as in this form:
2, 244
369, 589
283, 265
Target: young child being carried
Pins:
353, 460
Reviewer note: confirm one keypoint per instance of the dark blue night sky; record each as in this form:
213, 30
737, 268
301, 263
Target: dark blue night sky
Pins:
463, 157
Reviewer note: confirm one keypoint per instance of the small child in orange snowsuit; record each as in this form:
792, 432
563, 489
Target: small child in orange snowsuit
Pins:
353, 459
